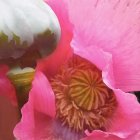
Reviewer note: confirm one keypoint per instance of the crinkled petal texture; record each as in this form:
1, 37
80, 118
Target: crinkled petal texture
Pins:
108, 24
6, 88
39, 112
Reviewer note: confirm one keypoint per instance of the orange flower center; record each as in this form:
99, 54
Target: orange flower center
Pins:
83, 101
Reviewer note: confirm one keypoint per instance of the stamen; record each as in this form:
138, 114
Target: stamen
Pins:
83, 101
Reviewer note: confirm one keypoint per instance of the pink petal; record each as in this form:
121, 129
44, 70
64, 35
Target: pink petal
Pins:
110, 26
6, 88
41, 95
100, 135
103, 60
127, 114
128, 110
63, 51
97, 56
33, 126
37, 110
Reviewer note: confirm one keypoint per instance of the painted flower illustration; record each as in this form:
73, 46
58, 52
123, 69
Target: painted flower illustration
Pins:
80, 91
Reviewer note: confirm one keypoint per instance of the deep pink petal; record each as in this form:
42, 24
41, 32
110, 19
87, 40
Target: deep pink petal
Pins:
6, 88
35, 113
110, 26
33, 126
3, 69
41, 96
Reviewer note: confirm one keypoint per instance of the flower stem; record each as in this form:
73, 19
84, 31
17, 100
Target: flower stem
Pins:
22, 81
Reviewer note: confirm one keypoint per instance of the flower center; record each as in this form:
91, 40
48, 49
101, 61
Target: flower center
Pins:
87, 89
83, 101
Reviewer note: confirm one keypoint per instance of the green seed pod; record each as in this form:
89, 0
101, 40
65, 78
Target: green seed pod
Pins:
29, 29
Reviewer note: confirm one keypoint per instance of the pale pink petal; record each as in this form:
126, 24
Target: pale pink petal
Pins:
37, 110
6, 88
128, 111
125, 114
51, 64
100, 135
97, 56
109, 25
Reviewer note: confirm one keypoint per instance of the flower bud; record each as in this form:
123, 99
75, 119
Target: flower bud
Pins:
27, 26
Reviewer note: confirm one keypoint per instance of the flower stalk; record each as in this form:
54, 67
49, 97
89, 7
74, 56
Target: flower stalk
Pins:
22, 81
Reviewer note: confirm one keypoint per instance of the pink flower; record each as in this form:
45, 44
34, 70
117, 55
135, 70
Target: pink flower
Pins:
105, 47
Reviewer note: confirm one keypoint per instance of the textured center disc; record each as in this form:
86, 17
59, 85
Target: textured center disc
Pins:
83, 101
87, 89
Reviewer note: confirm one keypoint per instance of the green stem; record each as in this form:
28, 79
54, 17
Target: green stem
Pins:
22, 81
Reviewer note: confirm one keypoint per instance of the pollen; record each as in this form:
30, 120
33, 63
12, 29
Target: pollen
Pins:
83, 101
